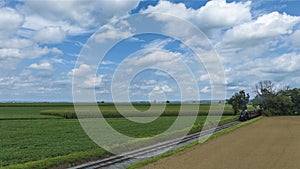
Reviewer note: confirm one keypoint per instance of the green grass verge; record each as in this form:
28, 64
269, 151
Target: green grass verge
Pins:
171, 152
61, 160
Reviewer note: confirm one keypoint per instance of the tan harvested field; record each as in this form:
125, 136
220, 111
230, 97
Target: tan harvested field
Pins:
270, 143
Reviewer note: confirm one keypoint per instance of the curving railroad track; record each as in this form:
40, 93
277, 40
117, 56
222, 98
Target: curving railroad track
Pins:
127, 158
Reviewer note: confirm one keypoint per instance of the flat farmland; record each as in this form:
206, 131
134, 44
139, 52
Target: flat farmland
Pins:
110, 110
268, 143
27, 134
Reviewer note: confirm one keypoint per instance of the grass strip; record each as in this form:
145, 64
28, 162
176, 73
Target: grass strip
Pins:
62, 161
171, 152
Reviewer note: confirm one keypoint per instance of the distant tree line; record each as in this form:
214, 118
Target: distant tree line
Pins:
272, 101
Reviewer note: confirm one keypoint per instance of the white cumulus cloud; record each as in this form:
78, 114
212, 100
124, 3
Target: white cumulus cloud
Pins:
295, 39
205, 89
265, 26
10, 21
43, 66
51, 34
116, 29
72, 14
85, 78
215, 14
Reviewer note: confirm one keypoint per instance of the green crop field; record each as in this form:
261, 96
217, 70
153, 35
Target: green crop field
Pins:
109, 110
27, 134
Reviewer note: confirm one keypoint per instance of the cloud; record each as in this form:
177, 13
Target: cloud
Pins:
167, 67
76, 14
84, 78
11, 57
36, 22
2, 3
158, 43
161, 89
116, 29
280, 69
214, 15
254, 45
219, 14
295, 39
14, 47
205, 89
15, 43
107, 62
8, 53
36, 51
43, 66
254, 50
92, 81
264, 27
24, 48
10, 21
144, 88
81, 71
154, 53
151, 82
286, 63
204, 77
50, 34
166, 88
155, 57
30, 85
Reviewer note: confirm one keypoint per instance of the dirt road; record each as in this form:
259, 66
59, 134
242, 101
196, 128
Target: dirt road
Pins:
270, 143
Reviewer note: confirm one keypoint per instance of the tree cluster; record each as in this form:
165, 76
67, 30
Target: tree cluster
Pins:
239, 101
271, 100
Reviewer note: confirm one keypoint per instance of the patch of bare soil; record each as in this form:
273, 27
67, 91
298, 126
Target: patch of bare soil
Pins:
270, 143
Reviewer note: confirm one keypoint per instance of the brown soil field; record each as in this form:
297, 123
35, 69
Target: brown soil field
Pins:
270, 143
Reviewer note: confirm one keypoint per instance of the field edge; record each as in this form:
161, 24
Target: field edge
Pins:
171, 152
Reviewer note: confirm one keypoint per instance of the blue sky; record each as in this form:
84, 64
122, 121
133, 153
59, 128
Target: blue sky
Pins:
41, 41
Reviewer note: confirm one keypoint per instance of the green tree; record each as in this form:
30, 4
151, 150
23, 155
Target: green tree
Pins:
239, 101
264, 90
257, 101
278, 105
272, 102
294, 95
